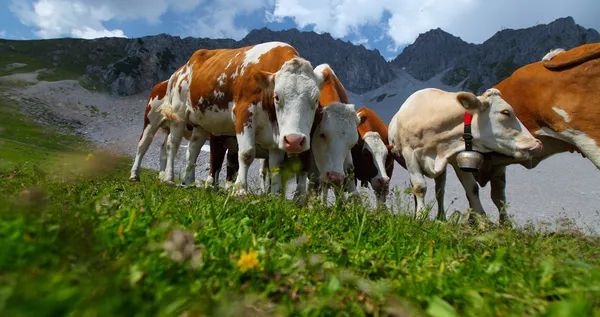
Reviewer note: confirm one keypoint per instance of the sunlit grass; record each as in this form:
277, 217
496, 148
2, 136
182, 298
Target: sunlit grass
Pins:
78, 239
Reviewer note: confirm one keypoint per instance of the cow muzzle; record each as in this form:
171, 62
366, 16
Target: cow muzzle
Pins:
333, 178
294, 143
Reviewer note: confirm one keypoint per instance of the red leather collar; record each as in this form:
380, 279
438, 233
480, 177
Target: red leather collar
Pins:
468, 118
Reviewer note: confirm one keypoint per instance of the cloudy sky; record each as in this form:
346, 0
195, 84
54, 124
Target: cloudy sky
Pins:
387, 25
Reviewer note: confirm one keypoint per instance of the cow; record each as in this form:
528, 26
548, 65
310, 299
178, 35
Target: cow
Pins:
427, 133
154, 119
335, 132
264, 94
558, 101
372, 158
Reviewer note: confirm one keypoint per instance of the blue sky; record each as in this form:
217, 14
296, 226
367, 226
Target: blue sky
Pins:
386, 25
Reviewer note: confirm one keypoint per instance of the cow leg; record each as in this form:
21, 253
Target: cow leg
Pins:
173, 141
498, 193
417, 181
467, 180
197, 140
233, 167
276, 158
265, 184
349, 182
163, 157
217, 155
143, 144
440, 190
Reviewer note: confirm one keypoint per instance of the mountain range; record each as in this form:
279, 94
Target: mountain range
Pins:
436, 59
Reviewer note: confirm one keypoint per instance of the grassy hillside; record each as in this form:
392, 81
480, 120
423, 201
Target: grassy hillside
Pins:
59, 59
79, 240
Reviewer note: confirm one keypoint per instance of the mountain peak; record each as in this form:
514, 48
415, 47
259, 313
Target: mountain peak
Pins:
431, 53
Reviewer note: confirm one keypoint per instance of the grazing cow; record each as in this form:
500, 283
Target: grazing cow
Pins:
263, 94
427, 132
558, 101
335, 132
335, 125
373, 161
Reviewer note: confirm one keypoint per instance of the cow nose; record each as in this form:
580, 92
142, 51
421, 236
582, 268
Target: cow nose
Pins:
335, 178
538, 145
294, 143
384, 180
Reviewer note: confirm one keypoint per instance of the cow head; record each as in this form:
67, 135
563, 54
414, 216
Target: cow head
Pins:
295, 91
374, 150
495, 127
334, 135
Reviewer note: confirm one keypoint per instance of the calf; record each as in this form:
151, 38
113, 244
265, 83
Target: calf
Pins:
558, 101
261, 94
372, 158
427, 132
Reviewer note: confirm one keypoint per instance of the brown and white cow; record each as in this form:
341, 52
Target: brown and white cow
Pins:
373, 161
264, 94
558, 101
333, 134
427, 132
154, 119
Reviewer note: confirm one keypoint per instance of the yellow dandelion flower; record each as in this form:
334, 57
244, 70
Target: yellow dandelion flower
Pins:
248, 260
89, 156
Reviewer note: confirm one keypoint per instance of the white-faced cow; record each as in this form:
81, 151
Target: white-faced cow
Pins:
264, 94
333, 134
558, 101
427, 132
373, 161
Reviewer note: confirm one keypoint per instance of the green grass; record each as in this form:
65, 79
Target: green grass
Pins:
79, 240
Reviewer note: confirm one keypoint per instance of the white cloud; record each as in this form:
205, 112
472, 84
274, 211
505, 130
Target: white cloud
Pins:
89, 33
84, 18
362, 40
218, 20
2, 33
473, 20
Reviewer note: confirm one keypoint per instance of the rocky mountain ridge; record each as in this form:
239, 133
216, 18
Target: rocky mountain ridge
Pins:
474, 67
130, 66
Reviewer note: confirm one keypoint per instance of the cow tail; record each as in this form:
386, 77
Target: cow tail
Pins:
166, 109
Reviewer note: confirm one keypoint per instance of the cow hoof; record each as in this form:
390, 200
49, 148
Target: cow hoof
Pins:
134, 179
299, 199
167, 182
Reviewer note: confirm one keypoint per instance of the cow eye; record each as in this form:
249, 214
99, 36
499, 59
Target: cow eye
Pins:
322, 135
506, 113
277, 98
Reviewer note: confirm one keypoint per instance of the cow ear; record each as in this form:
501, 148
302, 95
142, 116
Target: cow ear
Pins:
265, 80
362, 120
470, 102
320, 78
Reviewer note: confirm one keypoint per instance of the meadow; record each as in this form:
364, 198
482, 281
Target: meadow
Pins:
78, 239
